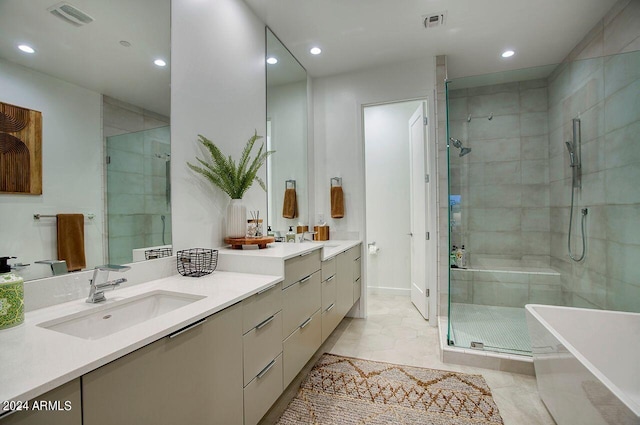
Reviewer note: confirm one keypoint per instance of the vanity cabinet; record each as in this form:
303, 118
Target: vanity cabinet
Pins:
63, 407
301, 306
348, 279
262, 352
193, 376
330, 316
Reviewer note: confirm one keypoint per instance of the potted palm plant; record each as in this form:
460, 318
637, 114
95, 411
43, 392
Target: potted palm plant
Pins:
233, 178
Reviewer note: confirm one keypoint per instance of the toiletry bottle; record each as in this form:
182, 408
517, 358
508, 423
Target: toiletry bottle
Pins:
269, 231
11, 296
460, 258
463, 258
452, 257
290, 236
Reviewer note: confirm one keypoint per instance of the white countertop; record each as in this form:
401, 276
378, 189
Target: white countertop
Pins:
34, 360
284, 251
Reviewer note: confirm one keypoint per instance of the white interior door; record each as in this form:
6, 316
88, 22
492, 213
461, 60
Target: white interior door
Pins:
419, 210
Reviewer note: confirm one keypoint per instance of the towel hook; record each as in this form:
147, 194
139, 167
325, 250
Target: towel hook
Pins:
290, 182
338, 181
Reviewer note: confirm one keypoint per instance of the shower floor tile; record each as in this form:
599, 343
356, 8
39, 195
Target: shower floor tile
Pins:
500, 329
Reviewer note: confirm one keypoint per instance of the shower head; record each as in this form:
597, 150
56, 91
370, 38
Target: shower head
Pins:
464, 151
456, 143
572, 153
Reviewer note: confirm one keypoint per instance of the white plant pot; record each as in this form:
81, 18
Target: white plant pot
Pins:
236, 219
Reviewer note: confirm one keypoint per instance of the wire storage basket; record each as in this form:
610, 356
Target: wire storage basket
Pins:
196, 262
152, 254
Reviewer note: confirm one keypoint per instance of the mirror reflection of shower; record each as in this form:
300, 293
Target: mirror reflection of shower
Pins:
167, 175
573, 146
458, 144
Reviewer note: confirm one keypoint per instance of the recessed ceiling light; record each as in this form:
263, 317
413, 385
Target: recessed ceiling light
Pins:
160, 62
272, 61
315, 51
508, 53
26, 48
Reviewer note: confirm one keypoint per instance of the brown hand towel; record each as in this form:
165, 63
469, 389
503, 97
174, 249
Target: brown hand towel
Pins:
337, 202
290, 204
71, 241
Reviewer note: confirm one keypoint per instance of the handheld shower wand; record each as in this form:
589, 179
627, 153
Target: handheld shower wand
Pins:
574, 162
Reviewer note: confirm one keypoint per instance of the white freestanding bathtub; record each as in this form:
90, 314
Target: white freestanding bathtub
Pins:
587, 364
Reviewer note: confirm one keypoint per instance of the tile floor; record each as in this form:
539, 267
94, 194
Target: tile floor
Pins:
501, 329
395, 332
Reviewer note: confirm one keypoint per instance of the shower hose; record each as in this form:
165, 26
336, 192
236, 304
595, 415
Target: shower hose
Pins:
584, 241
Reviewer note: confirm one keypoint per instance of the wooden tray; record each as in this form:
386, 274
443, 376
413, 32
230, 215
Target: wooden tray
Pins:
236, 243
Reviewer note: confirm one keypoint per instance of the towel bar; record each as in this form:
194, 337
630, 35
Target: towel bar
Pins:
90, 216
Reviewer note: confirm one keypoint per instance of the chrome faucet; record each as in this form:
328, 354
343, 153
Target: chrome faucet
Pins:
304, 238
96, 293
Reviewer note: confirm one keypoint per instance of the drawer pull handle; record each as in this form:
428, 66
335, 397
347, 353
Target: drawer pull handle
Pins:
330, 308
305, 280
357, 259
266, 369
265, 322
307, 253
331, 278
266, 289
306, 322
188, 328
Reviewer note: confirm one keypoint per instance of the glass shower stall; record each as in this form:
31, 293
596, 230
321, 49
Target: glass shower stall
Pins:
138, 192
544, 165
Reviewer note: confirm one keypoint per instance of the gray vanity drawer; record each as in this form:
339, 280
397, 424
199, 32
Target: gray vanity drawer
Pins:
261, 345
329, 292
300, 346
263, 391
330, 319
357, 268
328, 268
299, 302
261, 306
357, 290
299, 267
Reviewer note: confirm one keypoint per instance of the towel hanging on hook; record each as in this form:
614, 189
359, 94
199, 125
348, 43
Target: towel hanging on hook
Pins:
290, 204
337, 198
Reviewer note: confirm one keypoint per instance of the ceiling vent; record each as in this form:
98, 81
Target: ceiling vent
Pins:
70, 14
434, 20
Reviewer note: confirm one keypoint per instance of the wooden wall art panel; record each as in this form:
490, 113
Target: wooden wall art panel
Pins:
20, 150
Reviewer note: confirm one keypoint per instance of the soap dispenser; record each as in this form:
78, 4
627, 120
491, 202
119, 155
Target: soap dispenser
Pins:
290, 236
11, 296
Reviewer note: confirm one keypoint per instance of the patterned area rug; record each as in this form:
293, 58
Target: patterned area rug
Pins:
345, 390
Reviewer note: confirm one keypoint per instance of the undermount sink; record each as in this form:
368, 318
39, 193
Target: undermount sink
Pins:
114, 317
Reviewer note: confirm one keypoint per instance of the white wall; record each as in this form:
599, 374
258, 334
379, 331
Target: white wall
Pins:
386, 133
217, 90
338, 142
71, 148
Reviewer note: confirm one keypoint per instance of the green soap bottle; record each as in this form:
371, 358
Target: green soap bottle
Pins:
11, 296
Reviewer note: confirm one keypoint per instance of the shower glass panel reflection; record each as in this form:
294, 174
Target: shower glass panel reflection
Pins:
510, 195
138, 192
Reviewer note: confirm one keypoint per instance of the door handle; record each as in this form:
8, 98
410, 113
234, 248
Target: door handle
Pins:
410, 234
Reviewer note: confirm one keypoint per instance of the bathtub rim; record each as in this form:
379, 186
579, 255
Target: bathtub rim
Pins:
631, 404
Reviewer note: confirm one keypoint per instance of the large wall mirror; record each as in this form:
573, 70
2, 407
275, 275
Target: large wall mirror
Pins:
287, 135
105, 126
